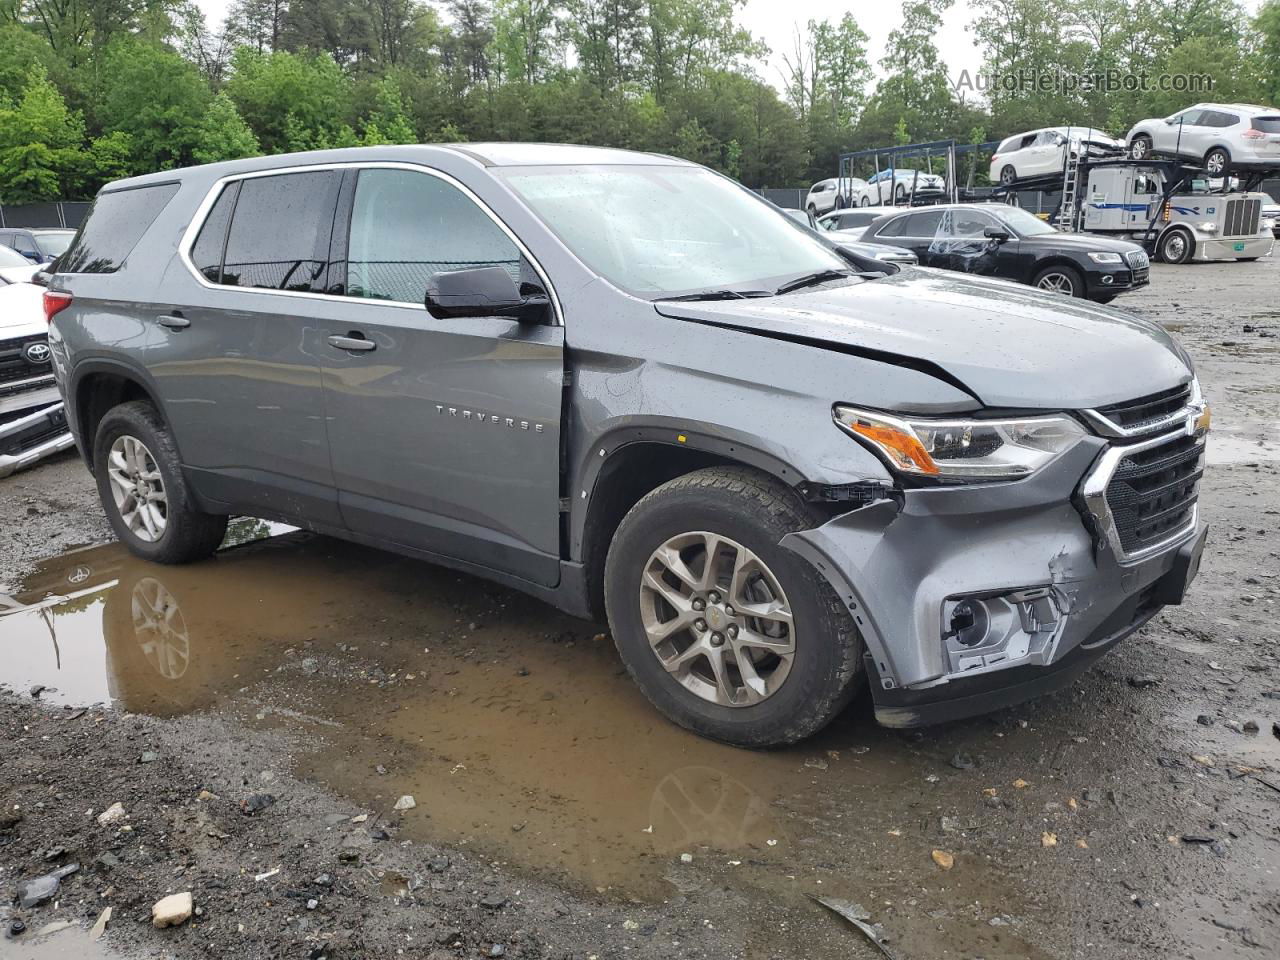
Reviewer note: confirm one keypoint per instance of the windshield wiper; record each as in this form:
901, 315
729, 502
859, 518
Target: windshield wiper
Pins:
725, 294
809, 279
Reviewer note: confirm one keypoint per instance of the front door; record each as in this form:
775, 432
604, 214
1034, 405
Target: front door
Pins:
234, 354
445, 434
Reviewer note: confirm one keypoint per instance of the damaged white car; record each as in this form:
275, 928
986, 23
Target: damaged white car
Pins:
32, 422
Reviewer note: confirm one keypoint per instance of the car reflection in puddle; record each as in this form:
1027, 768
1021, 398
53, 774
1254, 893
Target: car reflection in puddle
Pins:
514, 727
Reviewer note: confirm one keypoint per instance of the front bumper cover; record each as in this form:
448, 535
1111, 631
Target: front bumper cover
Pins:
1063, 594
1227, 248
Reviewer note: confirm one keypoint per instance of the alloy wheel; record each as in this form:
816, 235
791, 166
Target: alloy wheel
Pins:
1215, 163
717, 619
1138, 149
160, 628
137, 488
1175, 248
1058, 283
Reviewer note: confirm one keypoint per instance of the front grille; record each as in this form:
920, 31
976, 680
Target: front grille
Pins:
1139, 260
1136, 414
1243, 217
14, 365
1152, 494
1141, 276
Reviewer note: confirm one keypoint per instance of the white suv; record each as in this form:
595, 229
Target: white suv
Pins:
1040, 153
825, 195
1223, 135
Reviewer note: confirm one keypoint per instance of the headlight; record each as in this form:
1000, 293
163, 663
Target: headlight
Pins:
1208, 226
963, 449
1106, 258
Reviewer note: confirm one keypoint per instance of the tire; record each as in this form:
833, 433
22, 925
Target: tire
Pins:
176, 531
813, 211
864, 202
1060, 279
752, 513
1176, 246
899, 194
1105, 298
1140, 147
1008, 175
1217, 162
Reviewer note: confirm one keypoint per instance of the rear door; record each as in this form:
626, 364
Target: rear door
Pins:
445, 433
236, 354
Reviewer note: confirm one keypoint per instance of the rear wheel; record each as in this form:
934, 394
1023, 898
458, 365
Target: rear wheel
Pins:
864, 202
1060, 279
1007, 176
1140, 147
900, 194
143, 491
1176, 246
1216, 161
726, 632
813, 211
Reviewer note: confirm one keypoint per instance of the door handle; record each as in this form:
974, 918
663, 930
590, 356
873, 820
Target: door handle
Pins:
357, 343
174, 321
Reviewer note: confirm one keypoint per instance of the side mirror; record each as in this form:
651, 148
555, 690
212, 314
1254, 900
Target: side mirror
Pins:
996, 234
478, 292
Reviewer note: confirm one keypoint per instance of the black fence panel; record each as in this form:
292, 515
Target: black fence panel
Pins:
67, 213
788, 198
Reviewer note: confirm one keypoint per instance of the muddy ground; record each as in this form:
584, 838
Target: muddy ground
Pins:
557, 816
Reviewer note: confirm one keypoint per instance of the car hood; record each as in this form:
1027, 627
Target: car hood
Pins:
21, 310
1083, 243
1009, 345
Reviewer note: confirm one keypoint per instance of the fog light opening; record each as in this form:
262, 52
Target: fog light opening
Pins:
970, 623
1108, 279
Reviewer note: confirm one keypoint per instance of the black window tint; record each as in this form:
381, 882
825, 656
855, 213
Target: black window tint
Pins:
116, 222
279, 237
406, 227
206, 252
893, 228
923, 224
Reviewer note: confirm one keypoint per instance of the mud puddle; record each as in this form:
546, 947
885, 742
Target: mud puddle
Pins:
515, 729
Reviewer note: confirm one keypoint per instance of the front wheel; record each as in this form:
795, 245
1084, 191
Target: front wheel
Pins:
1140, 147
864, 202
726, 632
1176, 246
1060, 279
143, 491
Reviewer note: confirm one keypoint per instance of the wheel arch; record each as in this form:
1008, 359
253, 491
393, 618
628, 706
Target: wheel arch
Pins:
625, 464
100, 384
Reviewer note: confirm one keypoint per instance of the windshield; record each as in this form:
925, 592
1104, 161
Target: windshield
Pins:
1023, 223
657, 231
54, 244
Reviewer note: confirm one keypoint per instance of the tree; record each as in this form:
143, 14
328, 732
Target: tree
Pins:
1267, 28
40, 143
525, 37
223, 134
290, 99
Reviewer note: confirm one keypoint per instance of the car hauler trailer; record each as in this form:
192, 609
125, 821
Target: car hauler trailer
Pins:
940, 158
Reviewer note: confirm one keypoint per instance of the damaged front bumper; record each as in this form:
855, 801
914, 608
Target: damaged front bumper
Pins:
974, 597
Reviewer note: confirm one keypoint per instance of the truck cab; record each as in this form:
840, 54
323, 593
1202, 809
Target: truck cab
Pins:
1182, 217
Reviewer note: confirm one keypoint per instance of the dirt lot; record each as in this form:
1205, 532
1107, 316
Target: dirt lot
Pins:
1134, 815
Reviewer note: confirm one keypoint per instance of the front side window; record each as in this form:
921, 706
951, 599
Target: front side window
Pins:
407, 226
279, 236
664, 230
969, 224
1024, 224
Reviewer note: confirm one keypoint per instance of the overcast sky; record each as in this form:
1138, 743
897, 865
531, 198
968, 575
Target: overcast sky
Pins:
775, 21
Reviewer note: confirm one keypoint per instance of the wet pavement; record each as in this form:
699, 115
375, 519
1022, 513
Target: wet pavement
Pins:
1108, 820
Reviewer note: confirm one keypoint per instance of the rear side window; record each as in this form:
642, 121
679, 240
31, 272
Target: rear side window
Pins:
207, 252
1267, 124
116, 222
923, 224
893, 228
406, 227
279, 236
1215, 118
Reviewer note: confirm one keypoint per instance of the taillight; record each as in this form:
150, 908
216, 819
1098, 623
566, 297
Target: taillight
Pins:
54, 304
1252, 134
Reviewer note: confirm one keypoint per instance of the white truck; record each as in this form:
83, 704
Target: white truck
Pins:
1178, 216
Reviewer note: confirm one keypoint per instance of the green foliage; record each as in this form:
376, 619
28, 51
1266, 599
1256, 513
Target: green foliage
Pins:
93, 90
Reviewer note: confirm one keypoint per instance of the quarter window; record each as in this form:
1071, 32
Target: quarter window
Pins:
206, 254
406, 227
116, 222
279, 236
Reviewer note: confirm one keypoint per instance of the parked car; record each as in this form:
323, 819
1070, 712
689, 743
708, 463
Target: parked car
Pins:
624, 384
32, 423
852, 221
880, 188
1271, 213
14, 267
37, 244
1221, 135
848, 241
1041, 153
832, 193
999, 240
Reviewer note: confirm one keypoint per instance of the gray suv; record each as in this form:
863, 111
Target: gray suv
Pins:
626, 385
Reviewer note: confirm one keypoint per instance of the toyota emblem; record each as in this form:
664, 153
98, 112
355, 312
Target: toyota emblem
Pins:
36, 353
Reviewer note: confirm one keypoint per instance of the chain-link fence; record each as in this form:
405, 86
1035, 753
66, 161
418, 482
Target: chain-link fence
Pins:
65, 213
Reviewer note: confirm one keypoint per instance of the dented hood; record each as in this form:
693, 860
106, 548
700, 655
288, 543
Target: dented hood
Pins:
1008, 345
